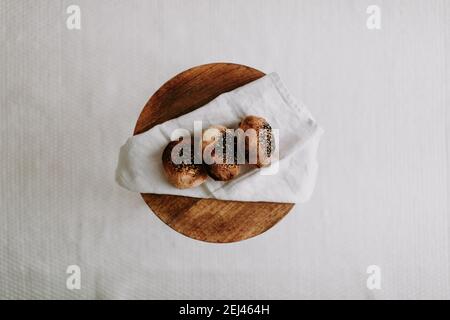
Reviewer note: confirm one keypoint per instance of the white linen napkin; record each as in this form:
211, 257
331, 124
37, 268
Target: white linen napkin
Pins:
291, 179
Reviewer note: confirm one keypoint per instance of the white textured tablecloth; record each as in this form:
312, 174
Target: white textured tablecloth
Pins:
70, 98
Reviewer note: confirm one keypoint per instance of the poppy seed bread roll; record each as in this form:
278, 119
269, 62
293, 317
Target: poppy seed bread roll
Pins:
263, 144
225, 168
186, 174
212, 134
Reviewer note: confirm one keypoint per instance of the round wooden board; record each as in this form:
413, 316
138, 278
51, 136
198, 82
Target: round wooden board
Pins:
205, 219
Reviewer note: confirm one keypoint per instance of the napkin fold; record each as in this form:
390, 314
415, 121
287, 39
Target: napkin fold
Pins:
291, 179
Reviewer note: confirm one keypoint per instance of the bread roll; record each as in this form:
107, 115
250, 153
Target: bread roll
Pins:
263, 144
186, 174
221, 169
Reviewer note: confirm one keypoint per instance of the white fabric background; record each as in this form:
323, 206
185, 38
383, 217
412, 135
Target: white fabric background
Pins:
69, 100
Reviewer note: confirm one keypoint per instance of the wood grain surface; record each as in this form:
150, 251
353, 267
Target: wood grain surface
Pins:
208, 220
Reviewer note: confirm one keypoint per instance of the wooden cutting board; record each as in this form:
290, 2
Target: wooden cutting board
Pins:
205, 219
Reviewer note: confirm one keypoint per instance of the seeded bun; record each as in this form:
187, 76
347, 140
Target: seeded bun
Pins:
211, 134
265, 145
182, 175
219, 170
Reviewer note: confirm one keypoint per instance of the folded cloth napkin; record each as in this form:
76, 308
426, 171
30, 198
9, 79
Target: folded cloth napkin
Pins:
291, 179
